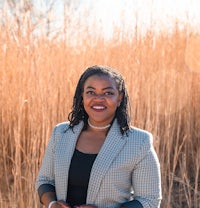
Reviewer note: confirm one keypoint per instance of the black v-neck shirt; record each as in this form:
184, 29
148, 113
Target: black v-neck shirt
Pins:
78, 179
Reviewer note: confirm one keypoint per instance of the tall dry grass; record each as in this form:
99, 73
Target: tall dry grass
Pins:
37, 80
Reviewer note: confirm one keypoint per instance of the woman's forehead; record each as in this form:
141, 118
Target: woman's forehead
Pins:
101, 78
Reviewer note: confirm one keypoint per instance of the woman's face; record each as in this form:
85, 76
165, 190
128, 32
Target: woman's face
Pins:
101, 99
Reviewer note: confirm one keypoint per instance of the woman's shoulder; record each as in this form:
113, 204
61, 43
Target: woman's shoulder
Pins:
140, 135
136, 130
62, 127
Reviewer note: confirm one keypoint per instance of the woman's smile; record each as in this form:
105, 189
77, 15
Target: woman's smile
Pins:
98, 107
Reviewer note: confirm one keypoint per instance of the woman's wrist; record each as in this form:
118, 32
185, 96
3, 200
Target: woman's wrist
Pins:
51, 203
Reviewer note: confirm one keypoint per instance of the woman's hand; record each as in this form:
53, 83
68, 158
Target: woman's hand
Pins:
86, 206
60, 204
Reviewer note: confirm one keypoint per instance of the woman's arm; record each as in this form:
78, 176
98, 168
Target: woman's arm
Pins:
146, 176
45, 183
46, 173
46, 188
48, 198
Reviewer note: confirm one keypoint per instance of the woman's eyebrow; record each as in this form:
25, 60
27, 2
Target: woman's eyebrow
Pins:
105, 88
90, 87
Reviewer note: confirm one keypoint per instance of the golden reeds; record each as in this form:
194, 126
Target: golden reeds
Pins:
37, 80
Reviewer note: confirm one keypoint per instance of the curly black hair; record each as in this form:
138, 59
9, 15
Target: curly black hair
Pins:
78, 112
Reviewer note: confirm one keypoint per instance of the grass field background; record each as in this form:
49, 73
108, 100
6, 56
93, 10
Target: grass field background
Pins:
38, 75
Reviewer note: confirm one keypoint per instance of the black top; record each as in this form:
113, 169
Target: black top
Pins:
78, 179
79, 174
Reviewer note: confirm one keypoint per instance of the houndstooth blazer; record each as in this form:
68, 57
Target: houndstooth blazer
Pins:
126, 166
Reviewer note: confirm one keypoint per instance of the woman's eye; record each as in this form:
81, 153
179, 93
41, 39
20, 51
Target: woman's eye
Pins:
90, 93
108, 93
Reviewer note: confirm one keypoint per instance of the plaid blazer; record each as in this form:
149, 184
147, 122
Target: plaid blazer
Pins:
126, 166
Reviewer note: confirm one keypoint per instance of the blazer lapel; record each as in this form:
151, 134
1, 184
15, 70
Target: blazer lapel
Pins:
110, 149
65, 149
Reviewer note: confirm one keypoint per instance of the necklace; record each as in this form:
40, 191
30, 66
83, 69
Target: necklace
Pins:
98, 127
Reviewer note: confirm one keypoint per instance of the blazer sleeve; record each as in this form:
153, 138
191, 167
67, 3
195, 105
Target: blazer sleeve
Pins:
146, 177
46, 172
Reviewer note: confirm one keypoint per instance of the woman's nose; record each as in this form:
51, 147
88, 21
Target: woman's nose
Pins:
99, 96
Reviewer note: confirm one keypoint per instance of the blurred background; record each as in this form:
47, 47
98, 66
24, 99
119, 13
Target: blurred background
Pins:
46, 45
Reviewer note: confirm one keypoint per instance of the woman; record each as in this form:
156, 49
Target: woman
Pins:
96, 159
